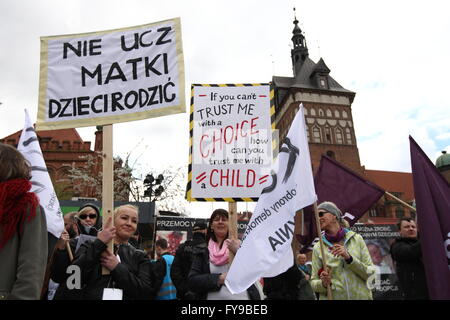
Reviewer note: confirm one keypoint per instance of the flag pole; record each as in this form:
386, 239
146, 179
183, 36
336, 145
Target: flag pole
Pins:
232, 225
322, 251
69, 251
401, 201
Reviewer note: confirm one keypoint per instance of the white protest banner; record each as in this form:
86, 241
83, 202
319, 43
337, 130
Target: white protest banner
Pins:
266, 248
112, 76
40, 179
231, 141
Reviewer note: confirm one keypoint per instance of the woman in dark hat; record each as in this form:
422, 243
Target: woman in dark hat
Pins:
89, 223
88, 219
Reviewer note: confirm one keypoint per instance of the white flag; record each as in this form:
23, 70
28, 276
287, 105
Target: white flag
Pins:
266, 248
40, 180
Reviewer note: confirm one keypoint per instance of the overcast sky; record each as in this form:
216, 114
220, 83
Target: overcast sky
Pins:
393, 54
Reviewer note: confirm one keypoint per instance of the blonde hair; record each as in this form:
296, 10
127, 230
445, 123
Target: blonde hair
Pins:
344, 223
126, 206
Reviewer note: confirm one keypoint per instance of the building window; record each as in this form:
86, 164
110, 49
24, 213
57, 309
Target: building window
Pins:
307, 134
317, 137
399, 212
321, 114
305, 111
344, 114
339, 136
329, 114
336, 114
348, 136
373, 212
313, 112
328, 135
323, 83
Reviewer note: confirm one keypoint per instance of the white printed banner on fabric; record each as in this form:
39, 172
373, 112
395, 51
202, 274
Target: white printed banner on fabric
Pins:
41, 184
112, 76
266, 248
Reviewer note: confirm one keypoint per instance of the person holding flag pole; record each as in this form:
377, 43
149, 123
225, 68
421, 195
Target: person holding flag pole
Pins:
345, 265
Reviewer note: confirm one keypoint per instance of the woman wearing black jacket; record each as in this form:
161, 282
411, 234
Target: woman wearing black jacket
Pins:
88, 223
210, 265
129, 268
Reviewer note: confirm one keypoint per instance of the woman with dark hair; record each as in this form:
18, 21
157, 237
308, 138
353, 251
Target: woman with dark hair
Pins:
23, 230
210, 265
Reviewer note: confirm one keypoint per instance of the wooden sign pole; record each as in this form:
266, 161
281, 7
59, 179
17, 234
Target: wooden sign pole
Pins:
232, 225
108, 183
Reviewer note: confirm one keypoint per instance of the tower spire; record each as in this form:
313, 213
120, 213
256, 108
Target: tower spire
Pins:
300, 51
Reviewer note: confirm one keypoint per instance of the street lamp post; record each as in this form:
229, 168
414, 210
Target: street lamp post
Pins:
150, 183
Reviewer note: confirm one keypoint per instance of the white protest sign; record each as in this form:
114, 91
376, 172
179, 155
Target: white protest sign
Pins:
111, 76
231, 138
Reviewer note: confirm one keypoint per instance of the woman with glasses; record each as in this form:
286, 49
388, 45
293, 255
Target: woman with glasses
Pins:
349, 265
210, 265
23, 230
89, 223
89, 220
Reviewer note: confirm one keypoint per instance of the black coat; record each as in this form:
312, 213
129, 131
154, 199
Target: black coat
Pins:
60, 263
407, 255
289, 285
201, 280
182, 265
132, 274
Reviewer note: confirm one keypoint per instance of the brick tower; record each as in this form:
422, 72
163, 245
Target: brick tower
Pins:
327, 105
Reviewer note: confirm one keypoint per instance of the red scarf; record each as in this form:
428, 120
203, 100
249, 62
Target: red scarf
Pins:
17, 205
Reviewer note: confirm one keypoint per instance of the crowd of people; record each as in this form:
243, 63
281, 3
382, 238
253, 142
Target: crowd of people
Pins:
82, 267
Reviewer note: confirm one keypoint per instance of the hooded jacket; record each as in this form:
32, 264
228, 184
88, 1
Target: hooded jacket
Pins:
92, 231
348, 280
61, 260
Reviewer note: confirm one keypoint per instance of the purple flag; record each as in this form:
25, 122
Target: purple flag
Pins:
432, 193
353, 194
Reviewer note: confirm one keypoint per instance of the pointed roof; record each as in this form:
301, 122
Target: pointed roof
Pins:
321, 67
303, 79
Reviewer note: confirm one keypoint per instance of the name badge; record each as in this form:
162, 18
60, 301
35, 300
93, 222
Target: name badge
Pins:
112, 294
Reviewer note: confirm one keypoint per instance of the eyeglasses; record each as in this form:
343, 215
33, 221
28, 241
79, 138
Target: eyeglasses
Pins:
321, 213
83, 216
